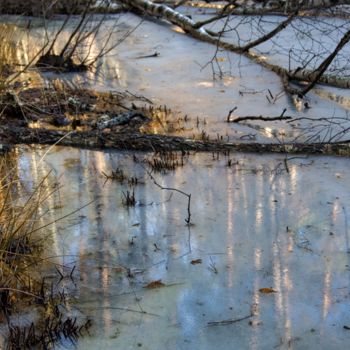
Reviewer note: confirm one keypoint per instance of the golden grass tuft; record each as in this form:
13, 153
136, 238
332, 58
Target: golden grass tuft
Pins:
20, 247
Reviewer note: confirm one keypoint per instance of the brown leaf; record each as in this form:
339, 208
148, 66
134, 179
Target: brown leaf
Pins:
196, 261
155, 284
267, 290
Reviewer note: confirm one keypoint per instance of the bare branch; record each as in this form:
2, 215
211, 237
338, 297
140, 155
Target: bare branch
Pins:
325, 64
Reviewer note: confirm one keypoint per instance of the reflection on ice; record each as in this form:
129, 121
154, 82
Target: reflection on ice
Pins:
251, 222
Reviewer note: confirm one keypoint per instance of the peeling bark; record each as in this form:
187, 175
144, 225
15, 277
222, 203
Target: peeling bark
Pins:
191, 27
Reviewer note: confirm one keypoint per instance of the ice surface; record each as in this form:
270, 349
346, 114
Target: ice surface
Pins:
255, 226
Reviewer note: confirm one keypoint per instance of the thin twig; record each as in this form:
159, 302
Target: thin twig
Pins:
188, 195
230, 321
126, 309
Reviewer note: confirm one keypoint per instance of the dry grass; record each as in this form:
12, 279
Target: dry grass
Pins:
19, 247
23, 267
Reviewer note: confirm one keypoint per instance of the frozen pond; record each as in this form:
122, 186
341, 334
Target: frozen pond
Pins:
265, 263
256, 229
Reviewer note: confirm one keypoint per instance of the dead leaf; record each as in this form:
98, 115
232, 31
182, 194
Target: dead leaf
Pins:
196, 261
155, 284
221, 59
118, 269
267, 290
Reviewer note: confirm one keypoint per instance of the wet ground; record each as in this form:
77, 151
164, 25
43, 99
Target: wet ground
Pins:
264, 263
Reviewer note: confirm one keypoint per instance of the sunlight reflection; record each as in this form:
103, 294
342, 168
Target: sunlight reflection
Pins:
257, 258
287, 282
335, 210
259, 215
256, 299
229, 80
206, 84
106, 303
282, 284
230, 229
290, 246
100, 163
177, 29
326, 291
293, 174
268, 132
277, 280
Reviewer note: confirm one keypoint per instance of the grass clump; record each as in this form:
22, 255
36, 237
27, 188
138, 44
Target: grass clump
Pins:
23, 286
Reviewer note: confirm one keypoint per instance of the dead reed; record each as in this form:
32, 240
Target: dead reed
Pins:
129, 199
163, 162
22, 265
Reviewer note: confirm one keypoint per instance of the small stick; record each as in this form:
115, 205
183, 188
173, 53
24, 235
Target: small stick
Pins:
156, 54
188, 195
284, 111
231, 321
229, 113
128, 310
260, 117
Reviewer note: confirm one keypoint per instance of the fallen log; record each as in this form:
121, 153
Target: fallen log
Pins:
190, 27
136, 141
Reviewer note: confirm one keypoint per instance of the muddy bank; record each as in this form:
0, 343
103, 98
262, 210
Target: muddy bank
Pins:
122, 121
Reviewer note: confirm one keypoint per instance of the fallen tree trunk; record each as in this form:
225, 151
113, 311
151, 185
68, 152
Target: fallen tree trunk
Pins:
144, 142
190, 27
268, 7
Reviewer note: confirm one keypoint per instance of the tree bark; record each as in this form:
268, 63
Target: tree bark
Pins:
189, 26
145, 142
